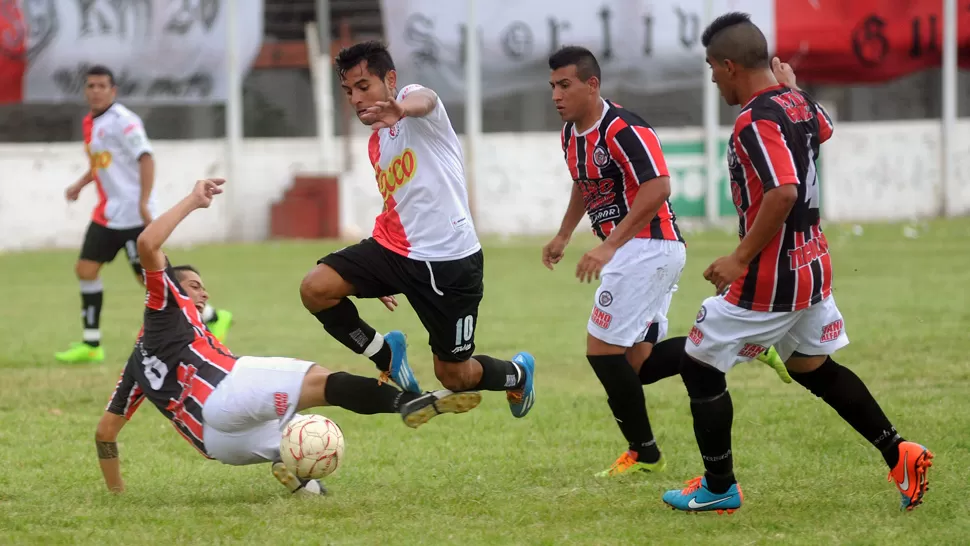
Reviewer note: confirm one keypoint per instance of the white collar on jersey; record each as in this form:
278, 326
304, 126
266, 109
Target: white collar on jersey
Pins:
606, 108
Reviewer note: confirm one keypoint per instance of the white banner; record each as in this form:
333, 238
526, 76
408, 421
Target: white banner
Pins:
642, 45
161, 51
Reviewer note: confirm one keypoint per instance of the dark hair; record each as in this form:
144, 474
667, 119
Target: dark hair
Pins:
586, 65
101, 70
733, 36
179, 270
374, 53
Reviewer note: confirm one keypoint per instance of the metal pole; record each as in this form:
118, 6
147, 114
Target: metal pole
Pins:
473, 103
234, 114
949, 113
712, 200
322, 62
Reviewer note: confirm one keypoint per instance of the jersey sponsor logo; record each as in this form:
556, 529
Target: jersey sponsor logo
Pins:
611, 212
795, 105
100, 160
606, 298
695, 336
280, 403
601, 318
832, 331
600, 156
751, 350
597, 193
399, 172
395, 130
804, 255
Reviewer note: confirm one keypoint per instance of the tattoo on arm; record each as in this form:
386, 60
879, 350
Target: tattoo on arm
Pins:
107, 450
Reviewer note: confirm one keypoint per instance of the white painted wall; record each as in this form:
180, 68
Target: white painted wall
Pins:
871, 172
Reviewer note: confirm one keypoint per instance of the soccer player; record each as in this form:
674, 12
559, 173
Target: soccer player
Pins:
122, 168
776, 287
230, 408
424, 246
621, 181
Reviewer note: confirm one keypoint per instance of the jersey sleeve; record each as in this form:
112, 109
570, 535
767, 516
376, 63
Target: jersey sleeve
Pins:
765, 145
132, 136
434, 121
127, 395
825, 125
637, 150
162, 290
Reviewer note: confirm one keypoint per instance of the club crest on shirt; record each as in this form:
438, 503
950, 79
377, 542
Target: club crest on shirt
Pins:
600, 156
395, 129
606, 298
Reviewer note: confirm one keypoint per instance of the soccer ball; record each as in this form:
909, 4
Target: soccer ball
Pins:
312, 446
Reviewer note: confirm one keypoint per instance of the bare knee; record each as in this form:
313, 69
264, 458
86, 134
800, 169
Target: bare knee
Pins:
87, 270
313, 389
638, 354
596, 346
457, 376
804, 364
322, 288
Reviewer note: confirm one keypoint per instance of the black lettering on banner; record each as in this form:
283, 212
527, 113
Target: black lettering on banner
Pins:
607, 41
869, 41
517, 40
191, 12
648, 35
417, 31
121, 18
555, 28
932, 44
688, 27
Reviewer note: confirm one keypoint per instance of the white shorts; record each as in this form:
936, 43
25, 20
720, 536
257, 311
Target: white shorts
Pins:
725, 335
245, 414
636, 287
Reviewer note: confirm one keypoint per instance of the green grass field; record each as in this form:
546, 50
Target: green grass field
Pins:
485, 477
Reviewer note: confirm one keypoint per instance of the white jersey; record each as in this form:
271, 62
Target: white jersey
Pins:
114, 141
420, 174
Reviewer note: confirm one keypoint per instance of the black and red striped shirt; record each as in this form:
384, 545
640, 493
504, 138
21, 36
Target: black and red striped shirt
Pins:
610, 161
176, 362
776, 141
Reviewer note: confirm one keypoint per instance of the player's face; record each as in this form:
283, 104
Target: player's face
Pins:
723, 74
99, 92
363, 88
192, 284
571, 95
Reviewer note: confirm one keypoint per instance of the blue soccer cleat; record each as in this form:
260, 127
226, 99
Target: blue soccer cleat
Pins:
696, 497
400, 372
521, 400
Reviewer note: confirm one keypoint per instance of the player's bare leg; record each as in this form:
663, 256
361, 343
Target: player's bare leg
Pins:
92, 298
325, 295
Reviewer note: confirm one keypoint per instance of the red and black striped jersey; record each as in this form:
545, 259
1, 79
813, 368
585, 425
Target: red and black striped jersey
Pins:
610, 161
176, 362
776, 141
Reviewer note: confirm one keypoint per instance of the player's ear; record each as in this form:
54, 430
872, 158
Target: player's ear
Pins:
594, 84
391, 79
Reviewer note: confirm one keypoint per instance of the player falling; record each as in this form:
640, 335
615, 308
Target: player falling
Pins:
424, 246
776, 287
620, 180
122, 168
230, 408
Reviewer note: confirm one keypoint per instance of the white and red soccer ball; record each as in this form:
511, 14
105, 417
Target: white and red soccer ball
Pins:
312, 446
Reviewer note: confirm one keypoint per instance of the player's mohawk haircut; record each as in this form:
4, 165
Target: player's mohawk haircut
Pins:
585, 61
375, 53
733, 36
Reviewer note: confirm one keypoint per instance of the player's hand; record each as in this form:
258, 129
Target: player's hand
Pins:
553, 252
724, 271
389, 301
205, 190
783, 73
72, 192
592, 262
383, 114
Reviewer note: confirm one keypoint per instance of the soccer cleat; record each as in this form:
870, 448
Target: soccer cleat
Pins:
772, 360
628, 463
81, 352
521, 400
296, 486
696, 497
400, 371
422, 409
910, 474
219, 326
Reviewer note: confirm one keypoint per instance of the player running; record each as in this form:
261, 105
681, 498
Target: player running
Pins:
232, 409
776, 287
123, 169
424, 246
621, 181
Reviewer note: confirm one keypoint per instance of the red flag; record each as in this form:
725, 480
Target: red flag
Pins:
13, 51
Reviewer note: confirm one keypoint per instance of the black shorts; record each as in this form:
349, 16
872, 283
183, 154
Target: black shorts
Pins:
101, 244
444, 295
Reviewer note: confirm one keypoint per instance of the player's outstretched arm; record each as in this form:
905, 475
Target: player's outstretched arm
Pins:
151, 240
106, 440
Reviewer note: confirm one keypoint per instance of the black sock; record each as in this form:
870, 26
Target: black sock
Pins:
848, 395
92, 297
345, 325
625, 398
713, 412
363, 394
664, 360
499, 375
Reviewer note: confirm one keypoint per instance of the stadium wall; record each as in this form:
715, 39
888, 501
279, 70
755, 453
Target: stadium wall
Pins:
870, 172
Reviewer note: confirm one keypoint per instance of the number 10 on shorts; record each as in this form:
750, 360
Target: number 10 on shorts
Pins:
464, 331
